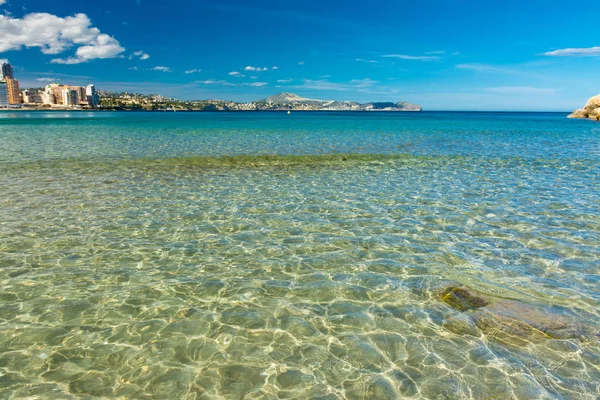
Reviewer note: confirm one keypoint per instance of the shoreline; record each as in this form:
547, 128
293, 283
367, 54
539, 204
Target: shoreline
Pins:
190, 111
277, 111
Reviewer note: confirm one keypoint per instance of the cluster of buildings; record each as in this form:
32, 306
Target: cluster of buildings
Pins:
54, 95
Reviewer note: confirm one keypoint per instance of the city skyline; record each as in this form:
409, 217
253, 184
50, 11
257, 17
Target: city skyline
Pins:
469, 56
53, 95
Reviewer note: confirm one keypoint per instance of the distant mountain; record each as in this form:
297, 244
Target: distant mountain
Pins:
291, 101
285, 98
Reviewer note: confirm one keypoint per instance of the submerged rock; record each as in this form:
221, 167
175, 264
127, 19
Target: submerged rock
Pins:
515, 321
462, 299
590, 111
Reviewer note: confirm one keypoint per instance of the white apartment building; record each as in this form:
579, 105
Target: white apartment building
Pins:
93, 99
48, 98
31, 97
70, 97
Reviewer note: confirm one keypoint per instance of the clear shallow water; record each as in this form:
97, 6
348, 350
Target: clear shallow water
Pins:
136, 261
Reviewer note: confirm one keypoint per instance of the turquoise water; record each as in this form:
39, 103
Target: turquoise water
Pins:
261, 255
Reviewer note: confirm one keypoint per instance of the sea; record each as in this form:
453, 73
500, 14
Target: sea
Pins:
303, 256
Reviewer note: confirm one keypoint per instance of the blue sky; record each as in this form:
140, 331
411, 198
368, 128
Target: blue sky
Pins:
442, 54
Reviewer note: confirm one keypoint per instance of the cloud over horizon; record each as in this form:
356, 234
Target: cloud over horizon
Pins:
414, 58
226, 83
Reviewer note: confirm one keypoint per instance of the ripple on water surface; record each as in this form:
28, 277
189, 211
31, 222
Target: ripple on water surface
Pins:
277, 279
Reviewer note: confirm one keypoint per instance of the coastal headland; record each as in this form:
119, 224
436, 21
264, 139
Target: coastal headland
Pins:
280, 102
590, 111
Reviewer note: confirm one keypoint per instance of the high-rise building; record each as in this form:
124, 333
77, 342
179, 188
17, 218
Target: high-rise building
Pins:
54, 91
6, 71
6, 74
80, 94
3, 94
48, 97
31, 97
14, 96
70, 97
93, 99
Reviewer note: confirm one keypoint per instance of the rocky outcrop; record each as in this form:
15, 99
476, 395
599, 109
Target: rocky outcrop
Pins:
590, 111
511, 321
405, 106
401, 106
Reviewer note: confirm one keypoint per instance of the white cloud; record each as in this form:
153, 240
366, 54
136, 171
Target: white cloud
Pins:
55, 35
285, 80
46, 80
256, 69
415, 58
66, 61
139, 54
361, 83
133, 68
2, 2
301, 63
254, 77
479, 67
521, 90
212, 82
368, 61
436, 53
575, 52
237, 74
193, 71
104, 47
275, 67
225, 83
161, 68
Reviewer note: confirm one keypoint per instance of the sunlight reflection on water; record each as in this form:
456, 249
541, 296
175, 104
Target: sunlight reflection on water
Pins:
294, 276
